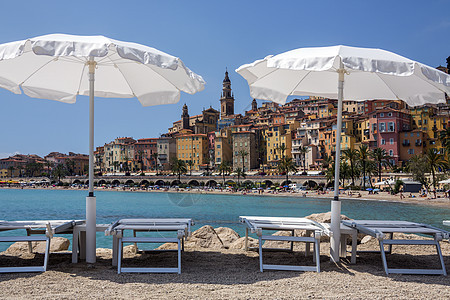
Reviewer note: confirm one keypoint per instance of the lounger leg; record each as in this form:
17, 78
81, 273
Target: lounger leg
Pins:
307, 245
46, 255
182, 244
383, 257
179, 257
135, 244
260, 255
115, 250
75, 246
82, 244
317, 255
246, 239
354, 245
438, 248
343, 245
119, 256
390, 245
292, 243
30, 245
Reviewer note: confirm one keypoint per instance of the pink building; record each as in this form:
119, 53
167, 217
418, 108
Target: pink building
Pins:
386, 124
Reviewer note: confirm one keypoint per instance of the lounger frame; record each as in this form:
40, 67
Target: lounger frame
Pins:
37, 231
182, 227
382, 229
259, 224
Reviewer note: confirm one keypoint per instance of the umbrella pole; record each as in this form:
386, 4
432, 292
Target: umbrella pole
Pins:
336, 203
91, 200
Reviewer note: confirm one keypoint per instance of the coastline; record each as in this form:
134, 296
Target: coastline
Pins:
440, 201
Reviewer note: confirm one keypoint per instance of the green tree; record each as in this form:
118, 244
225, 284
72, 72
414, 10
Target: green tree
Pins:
115, 166
33, 168
327, 161
287, 165
344, 172
155, 158
444, 137
363, 160
239, 173
435, 161
178, 167
418, 167
190, 163
303, 151
243, 154
225, 169
140, 158
70, 166
351, 155
59, 172
282, 148
381, 158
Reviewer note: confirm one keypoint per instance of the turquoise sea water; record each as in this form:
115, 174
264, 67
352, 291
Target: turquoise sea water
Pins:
214, 210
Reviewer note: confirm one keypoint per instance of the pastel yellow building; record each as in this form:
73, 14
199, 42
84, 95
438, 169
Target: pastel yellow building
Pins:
193, 147
431, 122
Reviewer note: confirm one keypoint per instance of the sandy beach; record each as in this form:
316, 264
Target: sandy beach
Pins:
233, 274
220, 273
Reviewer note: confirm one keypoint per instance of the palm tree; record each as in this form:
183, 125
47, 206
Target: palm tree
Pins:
351, 155
330, 171
239, 172
435, 161
363, 156
261, 155
49, 165
327, 161
381, 158
140, 155
225, 169
444, 137
70, 166
418, 166
344, 171
282, 148
371, 168
243, 155
287, 165
190, 163
178, 167
59, 172
155, 158
115, 166
303, 150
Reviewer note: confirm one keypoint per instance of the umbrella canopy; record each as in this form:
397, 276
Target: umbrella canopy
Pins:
368, 74
61, 67
56, 67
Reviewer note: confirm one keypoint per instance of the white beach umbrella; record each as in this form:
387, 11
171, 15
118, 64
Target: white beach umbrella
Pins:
61, 67
367, 73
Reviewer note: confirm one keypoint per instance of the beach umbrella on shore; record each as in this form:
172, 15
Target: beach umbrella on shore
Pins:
61, 67
323, 71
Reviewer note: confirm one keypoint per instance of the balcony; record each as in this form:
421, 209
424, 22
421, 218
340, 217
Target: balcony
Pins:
406, 143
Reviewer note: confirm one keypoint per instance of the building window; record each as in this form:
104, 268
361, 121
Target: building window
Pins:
410, 151
381, 114
391, 126
383, 142
391, 152
382, 127
391, 141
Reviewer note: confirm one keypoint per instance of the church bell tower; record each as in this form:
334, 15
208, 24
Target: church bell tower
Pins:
227, 98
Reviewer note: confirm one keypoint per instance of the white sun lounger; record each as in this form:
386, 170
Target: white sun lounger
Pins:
258, 224
36, 231
182, 228
380, 230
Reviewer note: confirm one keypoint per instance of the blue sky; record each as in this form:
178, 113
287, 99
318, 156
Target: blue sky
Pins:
208, 36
